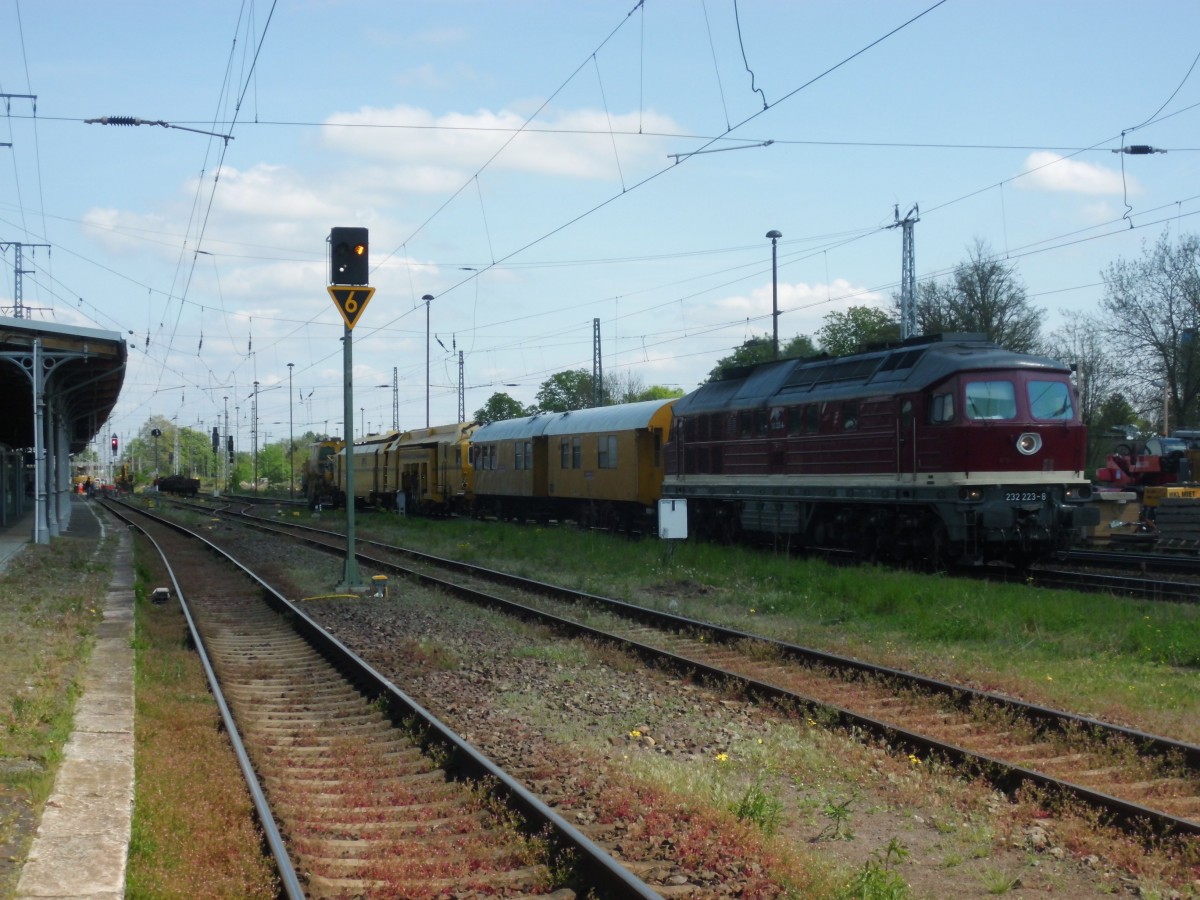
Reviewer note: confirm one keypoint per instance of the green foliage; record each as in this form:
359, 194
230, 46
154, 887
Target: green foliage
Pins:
499, 407
757, 350
565, 391
876, 880
1153, 313
760, 808
984, 295
655, 392
856, 328
837, 812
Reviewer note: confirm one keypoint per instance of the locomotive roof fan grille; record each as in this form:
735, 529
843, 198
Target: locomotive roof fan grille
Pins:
1029, 443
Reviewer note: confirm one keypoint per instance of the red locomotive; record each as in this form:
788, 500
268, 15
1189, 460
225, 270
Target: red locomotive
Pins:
944, 448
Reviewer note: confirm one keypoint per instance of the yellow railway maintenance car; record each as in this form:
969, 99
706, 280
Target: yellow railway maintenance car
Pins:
431, 469
601, 466
317, 476
366, 480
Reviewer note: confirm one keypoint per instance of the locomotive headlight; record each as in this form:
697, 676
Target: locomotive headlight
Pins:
1029, 443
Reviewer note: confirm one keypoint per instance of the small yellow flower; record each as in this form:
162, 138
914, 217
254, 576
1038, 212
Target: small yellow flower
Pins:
722, 757
1049, 677
635, 734
912, 758
752, 610
812, 723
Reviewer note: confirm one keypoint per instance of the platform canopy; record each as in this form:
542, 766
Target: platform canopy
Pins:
82, 370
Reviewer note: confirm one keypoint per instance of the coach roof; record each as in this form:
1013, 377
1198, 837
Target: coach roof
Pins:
623, 417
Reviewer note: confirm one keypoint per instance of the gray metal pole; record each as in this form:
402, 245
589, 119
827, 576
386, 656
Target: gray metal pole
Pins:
291, 439
350, 575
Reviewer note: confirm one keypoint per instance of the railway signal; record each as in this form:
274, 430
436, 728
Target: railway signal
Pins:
114, 444
348, 257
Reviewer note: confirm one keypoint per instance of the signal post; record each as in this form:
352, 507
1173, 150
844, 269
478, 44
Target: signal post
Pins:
349, 272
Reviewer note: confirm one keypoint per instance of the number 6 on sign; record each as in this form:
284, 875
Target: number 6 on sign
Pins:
351, 301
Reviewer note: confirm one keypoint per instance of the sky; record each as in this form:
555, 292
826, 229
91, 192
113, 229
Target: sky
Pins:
539, 167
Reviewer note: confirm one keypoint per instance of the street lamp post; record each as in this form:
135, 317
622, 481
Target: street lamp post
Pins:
291, 441
774, 236
427, 298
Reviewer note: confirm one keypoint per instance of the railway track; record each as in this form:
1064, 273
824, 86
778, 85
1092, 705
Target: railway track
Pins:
1138, 780
360, 791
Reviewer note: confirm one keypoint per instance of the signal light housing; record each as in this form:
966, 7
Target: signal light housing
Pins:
348, 256
114, 445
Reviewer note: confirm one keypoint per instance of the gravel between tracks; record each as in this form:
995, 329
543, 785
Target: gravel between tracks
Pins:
657, 762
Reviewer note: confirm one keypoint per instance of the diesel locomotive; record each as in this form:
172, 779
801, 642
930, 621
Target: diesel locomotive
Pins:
944, 448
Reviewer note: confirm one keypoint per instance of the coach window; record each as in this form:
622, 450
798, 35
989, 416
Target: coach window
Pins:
906, 415
744, 423
518, 455
576, 453
529, 454
941, 410
991, 400
606, 451
564, 454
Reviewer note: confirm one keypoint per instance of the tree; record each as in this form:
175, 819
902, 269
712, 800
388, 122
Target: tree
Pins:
1154, 313
984, 295
855, 329
628, 386
499, 406
1080, 343
656, 392
757, 350
565, 391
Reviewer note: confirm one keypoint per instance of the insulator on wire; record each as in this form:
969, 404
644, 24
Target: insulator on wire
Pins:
1139, 150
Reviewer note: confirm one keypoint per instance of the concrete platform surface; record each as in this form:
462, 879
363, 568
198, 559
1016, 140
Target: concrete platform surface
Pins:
81, 847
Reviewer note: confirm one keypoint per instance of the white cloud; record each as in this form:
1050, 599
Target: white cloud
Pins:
1048, 171
428, 151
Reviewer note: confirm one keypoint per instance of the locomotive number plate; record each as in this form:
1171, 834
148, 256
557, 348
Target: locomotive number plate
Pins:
1024, 496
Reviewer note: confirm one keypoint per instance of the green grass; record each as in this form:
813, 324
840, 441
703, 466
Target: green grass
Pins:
1113, 656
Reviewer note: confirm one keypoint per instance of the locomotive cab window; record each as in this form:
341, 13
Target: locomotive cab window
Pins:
991, 400
1050, 400
941, 409
849, 415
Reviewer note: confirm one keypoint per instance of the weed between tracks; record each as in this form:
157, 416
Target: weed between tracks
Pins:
194, 831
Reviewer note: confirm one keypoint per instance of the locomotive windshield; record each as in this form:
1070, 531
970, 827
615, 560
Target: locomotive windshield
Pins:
991, 400
1050, 400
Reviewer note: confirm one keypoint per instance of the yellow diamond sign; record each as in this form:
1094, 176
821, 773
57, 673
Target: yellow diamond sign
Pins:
351, 301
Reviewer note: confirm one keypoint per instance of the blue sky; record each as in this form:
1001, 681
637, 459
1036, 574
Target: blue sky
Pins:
536, 166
